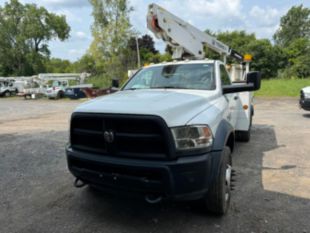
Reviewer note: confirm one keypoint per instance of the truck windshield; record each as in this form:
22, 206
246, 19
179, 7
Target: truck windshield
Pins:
56, 84
180, 76
59, 84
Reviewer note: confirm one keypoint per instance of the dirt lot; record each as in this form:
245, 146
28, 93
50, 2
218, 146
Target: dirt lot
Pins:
36, 192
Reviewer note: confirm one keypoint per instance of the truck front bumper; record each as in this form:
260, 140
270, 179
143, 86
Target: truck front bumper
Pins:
186, 178
305, 104
51, 94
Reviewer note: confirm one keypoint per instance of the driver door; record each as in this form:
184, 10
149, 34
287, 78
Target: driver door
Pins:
232, 99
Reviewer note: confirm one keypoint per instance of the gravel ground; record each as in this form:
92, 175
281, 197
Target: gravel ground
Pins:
36, 193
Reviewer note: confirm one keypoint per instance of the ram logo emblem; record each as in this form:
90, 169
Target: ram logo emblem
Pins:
108, 136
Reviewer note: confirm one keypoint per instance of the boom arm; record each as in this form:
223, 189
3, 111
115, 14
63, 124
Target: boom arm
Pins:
183, 37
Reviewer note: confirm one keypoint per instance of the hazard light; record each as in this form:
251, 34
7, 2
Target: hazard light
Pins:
247, 57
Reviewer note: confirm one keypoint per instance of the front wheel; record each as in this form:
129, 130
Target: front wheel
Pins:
7, 94
217, 199
60, 95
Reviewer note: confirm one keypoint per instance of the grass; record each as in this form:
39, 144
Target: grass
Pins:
282, 87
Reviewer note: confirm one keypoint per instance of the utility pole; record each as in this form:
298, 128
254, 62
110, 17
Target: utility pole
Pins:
138, 53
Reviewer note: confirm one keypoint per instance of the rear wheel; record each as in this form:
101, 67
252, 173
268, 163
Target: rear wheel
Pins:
217, 199
243, 136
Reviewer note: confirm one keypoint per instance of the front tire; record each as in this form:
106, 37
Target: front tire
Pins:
60, 95
7, 94
217, 199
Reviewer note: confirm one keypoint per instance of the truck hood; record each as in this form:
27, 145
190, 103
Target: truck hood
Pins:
306, 89
176, 107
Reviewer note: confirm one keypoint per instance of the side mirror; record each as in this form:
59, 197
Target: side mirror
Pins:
115, 83
253, 81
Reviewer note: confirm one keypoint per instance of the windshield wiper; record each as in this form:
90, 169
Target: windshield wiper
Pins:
169, 87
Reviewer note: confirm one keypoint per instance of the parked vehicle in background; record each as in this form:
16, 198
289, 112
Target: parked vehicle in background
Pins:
77, 91
33, 89
96, 92
19, 85
304, 101
57, 90
7, 87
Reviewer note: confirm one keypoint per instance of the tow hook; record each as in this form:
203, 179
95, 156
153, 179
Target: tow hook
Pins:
153, 199
78, 183
233, 180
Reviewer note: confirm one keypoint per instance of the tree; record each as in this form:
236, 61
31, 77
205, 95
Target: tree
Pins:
25, 31
85, 64
293, 36
266, 58
145, 42
57, 65
298, 59
148, 53
295, 24
238, 40
111, 31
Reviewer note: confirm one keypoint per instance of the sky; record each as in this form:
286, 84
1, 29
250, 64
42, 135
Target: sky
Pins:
261, 17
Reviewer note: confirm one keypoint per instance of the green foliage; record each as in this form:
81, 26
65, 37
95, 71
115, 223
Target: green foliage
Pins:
237, 39
100, 81
111, 31
85, 64
298, 54
266, 58
295, 24
282, 87
25, 31
148, 53
293, 36
145, 42
56, 65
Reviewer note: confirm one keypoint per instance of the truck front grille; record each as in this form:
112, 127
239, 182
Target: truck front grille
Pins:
133, 136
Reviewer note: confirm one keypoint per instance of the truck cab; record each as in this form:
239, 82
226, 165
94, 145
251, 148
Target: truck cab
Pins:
167, 134
7, 87
57, 90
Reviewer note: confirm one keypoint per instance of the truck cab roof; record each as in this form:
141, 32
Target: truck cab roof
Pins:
181, 62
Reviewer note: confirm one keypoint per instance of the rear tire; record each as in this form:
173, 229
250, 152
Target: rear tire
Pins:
243, 136
217, 199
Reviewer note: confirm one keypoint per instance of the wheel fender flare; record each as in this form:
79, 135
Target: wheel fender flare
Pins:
220, 140
221, 135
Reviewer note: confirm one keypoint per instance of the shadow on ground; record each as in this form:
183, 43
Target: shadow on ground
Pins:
307, 115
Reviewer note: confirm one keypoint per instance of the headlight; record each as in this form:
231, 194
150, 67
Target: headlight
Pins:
192, 137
